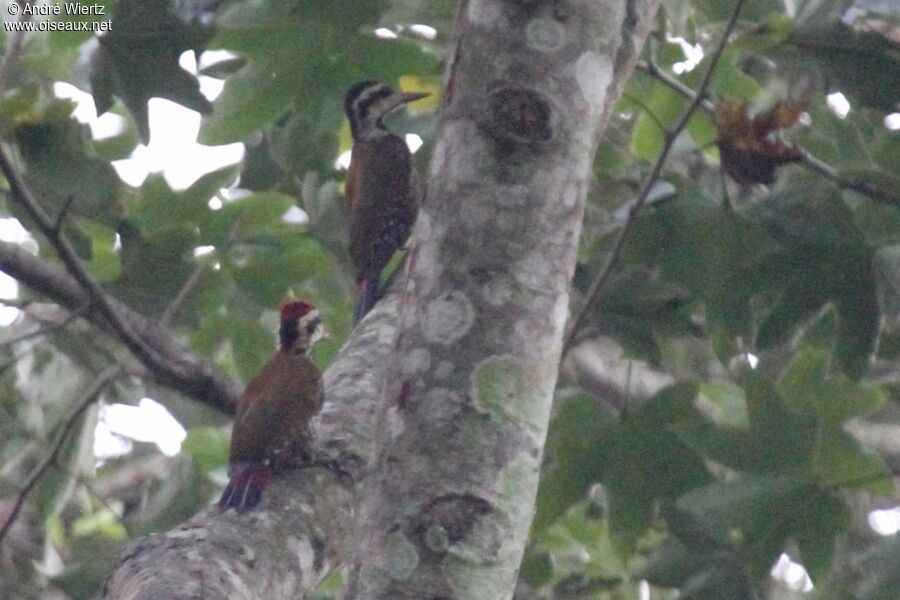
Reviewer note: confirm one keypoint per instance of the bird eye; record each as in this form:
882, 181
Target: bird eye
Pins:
312, 325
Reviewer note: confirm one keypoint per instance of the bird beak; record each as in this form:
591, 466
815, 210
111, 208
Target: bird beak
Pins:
401, 99
412, 97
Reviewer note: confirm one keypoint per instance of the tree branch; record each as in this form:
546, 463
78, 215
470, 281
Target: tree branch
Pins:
93, 391
808, 159
597, 286
195, 377
87, 398
46, 329
119, 325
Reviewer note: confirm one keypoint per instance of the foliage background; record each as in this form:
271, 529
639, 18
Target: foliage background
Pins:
684, 467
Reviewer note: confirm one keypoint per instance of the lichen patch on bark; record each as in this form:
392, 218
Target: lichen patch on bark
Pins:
594, 72
303, 549
506, 387
545, 35
448, 318
400, 555
415, 361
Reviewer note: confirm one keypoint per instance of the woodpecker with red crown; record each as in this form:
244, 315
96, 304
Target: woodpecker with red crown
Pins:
274, 412
381, 193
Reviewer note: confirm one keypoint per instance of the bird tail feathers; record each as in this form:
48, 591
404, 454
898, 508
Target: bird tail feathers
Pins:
368, 296
245, 486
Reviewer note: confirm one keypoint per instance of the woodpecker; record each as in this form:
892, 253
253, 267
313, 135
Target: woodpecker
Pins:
273, 415
381, 192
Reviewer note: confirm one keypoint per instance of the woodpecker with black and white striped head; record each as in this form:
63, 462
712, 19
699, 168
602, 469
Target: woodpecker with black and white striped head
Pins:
381, 191
273, 414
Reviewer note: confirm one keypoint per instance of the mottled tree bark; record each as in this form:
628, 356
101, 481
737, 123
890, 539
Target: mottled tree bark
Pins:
449, 381
467, 399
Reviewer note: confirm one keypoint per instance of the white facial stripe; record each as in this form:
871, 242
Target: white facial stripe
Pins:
308, 318
372, 91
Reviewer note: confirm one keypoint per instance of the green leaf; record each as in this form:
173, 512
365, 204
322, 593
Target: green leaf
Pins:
537, 568
715, 10
784, 438
174, 499
573, 458
823, 258
62, 168
864, 64
208, 446
695, 530
712, 252
57, 484
808, 388
887, 275
104, 264
792, 310
730, 446
817, 532
636, 310
671, 564
297, 51
118, 146
630, 509
647, 461
306, 139
729, 403
157, 206
881, 578
138, 60
103, 522
155, 266
751, 502
658, 105
841, 461
246, 218
251, 345
729, 79
269, 273
82, 577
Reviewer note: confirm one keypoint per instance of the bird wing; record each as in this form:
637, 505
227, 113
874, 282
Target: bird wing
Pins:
276, 407
380, 206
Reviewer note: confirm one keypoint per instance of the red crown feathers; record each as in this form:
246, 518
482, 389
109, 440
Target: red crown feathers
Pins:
295, 309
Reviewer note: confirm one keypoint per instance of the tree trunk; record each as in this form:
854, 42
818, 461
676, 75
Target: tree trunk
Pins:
467, 399
449, 383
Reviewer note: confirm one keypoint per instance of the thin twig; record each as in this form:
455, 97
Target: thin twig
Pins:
200, 379
19, 304
120, 326
87, 398
184, 293
78, 477
63, 211
47, 329
809, 160
653, 70
643, 106
13, 49
89, 486
602, 278
12, 360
